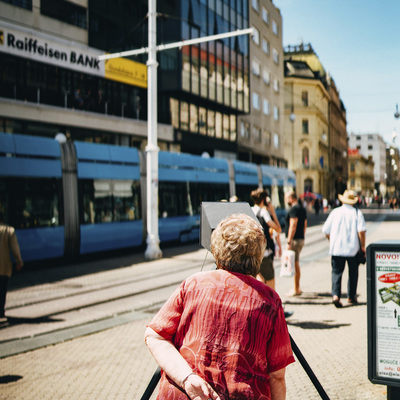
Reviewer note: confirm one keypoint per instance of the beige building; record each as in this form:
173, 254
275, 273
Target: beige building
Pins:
314, 125
361, 174
260, 133
392, 171
338, 168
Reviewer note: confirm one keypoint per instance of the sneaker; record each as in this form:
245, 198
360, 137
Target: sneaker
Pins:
288, 314
352, 301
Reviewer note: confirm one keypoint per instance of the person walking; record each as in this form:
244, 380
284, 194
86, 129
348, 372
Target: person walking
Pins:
265, 213
345, 229
295, 231
8, 241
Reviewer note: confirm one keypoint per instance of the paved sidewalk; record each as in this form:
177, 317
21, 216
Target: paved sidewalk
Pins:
115, 364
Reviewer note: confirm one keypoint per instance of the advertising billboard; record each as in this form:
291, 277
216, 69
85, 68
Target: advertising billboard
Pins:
383, 286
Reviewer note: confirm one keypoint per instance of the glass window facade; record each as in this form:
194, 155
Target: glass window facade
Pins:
65, 11
27, 4
213, 70
27, 80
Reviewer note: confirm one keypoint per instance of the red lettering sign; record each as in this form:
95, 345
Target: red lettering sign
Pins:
390, 278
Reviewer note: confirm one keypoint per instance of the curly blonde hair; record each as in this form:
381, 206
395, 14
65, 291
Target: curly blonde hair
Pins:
238, 244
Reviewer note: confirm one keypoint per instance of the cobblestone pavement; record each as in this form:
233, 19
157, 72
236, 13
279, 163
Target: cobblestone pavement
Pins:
115, 364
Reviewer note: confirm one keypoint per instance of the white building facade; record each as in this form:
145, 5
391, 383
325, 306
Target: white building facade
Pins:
372, 145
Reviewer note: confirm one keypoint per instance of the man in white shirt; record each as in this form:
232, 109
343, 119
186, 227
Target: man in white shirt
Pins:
345, 228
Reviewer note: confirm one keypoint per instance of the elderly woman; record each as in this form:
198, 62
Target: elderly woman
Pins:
222, 334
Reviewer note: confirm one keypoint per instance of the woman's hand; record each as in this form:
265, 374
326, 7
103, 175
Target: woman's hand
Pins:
198, 389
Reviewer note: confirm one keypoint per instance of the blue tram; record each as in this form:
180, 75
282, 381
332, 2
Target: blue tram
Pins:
78, 198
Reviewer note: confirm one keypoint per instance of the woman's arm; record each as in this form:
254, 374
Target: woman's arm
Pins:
176, 367
277, 384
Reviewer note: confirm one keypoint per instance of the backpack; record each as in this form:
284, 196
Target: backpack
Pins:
270, 241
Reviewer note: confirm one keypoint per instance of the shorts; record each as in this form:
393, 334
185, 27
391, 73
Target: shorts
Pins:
267, 268
297, 245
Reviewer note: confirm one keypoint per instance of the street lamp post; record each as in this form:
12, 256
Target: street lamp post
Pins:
153, 251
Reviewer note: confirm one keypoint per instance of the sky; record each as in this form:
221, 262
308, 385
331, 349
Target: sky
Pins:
358, 43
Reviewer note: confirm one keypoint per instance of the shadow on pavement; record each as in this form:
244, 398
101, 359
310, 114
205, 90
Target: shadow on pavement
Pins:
38, 320
9, 379
315, 324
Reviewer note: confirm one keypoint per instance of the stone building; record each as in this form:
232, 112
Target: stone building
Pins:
260, 133
314, 124
361, 174
372, 145
392, 171
306, 123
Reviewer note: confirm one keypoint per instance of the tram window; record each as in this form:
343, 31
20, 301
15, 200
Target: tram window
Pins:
109, 201
31, 203
200, 192
173, 199
126, 196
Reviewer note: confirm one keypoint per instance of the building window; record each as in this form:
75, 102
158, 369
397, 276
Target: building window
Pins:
256, 101
265, 15
184, 116
275, 56
256, 5
266, 76
174, 109
267, 137
358, 137
256, 36
265, 45
276, 140
304, 98
266, 110
275, 27
65, 11
276, 113
276, 85
352, 168
194, 119
352, 182
305, 157
305, 126
244, 129
27, 4
202, 120
256, 67
370, 147
211, 123
256, 134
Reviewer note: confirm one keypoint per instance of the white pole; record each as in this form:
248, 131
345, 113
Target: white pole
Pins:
153, 251
188, 42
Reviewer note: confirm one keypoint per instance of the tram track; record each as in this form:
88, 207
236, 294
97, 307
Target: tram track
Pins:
51, 313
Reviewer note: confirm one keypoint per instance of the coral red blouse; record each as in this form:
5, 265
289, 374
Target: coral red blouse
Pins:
231, 330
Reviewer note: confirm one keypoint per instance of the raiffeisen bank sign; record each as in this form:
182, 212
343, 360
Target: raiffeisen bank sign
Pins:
43, 48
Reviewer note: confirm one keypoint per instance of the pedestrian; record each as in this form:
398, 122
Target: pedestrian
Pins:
265, 213
295, 231
223, 334
8, 241
345, 229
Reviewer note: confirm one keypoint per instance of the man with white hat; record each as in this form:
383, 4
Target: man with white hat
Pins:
345, 229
